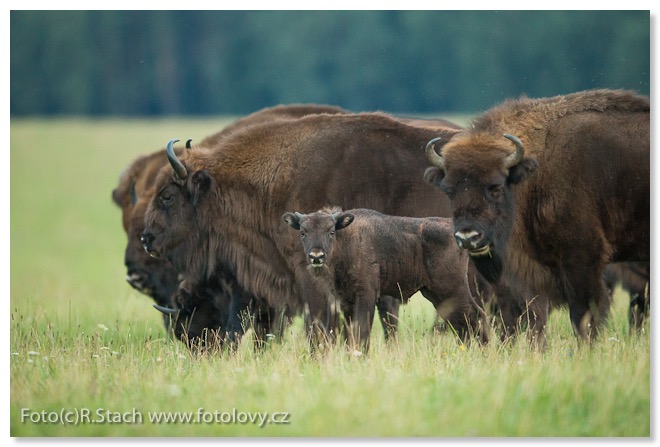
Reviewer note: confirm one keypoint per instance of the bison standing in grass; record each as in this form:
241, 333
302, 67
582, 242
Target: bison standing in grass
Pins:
360, 255
220, 207
551, 190
194, 311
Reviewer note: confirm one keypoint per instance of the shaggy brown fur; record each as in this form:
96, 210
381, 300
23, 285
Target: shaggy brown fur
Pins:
279, 112
156, 277
577, 200
226, 212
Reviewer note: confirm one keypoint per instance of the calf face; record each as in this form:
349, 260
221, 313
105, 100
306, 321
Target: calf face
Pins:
317, 232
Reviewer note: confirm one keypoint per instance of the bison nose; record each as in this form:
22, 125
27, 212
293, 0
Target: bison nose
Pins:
146, 239
316, 257
468, 239
138, 280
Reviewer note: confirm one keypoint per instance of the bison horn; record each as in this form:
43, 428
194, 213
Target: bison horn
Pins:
188, 143
133, 194
433, 156
514, 158
179, 168
165, 310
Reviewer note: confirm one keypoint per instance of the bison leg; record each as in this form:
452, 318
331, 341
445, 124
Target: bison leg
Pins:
639, 308
239, 310
359, 316
454, 304
262, 319
535, 318
388, 311
588, 300
520, 310
321, 311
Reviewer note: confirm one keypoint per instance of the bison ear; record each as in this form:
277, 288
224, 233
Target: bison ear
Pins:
116, 197
200, 185
344, 220
292, 220
434, 175
521, 171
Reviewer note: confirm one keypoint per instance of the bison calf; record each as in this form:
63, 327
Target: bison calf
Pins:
361, 255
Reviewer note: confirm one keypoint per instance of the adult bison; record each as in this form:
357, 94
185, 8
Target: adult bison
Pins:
156, 277
153, 277
220, 207
572, 197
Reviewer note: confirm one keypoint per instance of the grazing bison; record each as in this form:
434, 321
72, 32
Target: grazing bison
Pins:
360, 255
572, 196
202, 316
221, 207
634, 278
157, 277
198, 314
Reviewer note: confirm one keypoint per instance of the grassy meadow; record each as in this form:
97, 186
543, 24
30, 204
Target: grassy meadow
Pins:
86, 348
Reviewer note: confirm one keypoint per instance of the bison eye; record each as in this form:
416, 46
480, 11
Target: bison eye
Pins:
166, 199
302, 234
449, 190
332, 234
495, 191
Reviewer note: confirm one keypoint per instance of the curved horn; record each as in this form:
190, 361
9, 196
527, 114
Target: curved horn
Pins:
165, 310
298, 215
133, 194
514, 159
179, 168
188, 145
433, 156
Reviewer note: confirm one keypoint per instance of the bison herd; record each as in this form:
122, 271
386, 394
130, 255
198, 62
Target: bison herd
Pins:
316, 211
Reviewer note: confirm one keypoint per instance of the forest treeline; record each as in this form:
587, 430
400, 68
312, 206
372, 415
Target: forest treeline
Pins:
134, 63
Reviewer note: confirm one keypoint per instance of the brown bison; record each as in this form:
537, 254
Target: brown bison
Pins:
634, 278
157, 277
357, 256
221, 207
551, 190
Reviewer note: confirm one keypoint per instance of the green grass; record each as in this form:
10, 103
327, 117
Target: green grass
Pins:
82, 339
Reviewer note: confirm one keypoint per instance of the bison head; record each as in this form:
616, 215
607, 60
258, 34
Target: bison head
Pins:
317, 232
153, 277
478, 174
174, 220
198, 315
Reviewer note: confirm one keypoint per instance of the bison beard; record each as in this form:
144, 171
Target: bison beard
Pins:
489, 265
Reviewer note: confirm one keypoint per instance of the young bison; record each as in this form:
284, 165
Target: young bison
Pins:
361, 255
